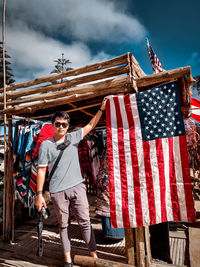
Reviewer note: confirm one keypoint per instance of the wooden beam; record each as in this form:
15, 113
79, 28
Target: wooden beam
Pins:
65, 100
82, 110
92, 262
140, 246
129, 245
94, 90
70, 83
89, 68
163, 76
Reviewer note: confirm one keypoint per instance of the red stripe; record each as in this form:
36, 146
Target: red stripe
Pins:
196, 117
122, 165
33, 186
110, 166
187, 180
173, 185
149, 182
161, 168
135, 166
195, 102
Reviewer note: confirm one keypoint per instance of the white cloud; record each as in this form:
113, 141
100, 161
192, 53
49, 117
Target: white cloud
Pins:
86, 20
35, 53
36, 33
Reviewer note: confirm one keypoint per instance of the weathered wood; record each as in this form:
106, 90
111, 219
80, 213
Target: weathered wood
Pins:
138, 71
92, 262
5, 121
89, 68
65, 100
140, 246
129, 245
53, 87
120, 84
148, 246
9, 189
163, 76
82, 110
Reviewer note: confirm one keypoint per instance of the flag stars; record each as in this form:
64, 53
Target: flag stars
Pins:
159, 113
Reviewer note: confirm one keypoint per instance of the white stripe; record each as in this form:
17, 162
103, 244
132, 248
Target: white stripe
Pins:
156, 181
195, 111
179, 179
128, 162
168, 201
140, 154
116, 165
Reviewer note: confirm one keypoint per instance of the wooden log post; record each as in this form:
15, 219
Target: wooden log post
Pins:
129, 245
92, 262
140, 246
9, 190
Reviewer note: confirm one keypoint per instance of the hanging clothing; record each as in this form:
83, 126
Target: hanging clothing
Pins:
103, 203
28, 136
90, 151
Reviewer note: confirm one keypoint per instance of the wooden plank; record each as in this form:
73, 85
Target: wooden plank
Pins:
115, 86
92, 262
70, 83
148, 246
129, 245
140, 246
9, 190
89, 68
163, 76
82, 110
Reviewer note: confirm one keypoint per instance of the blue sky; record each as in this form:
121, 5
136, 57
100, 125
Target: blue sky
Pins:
89, 31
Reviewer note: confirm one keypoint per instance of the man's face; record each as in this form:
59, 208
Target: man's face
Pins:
60, 126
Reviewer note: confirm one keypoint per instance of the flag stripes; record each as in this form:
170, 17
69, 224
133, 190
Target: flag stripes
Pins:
149, 181
195, 105
156, 65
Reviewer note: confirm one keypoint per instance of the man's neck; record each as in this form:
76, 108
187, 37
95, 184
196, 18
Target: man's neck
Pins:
59, 138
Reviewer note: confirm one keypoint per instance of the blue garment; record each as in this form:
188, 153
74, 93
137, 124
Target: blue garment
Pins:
109, 232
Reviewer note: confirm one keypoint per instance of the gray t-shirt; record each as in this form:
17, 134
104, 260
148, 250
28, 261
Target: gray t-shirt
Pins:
68, 172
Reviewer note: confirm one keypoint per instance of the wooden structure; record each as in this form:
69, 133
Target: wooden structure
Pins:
80, 94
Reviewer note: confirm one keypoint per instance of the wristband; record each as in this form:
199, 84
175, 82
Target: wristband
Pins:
101, 110
38, 193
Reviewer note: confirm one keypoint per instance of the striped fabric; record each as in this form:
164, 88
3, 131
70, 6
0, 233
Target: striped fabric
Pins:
149, 180
195, 109
156, 65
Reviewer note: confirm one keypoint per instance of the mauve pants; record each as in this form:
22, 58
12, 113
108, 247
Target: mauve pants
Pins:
77, 199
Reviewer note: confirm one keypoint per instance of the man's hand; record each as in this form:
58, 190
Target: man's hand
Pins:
40, 202
103, 104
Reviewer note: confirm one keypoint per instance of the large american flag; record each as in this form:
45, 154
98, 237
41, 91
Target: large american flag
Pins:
149, 179
156, 65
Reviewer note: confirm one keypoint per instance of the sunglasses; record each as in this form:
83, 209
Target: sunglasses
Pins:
63, 124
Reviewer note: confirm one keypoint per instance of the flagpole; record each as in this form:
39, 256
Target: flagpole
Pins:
5, 118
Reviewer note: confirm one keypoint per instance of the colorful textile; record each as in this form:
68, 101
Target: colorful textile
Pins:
103, 203
195, 105
190, 131
149, 179
46, 132
85, 160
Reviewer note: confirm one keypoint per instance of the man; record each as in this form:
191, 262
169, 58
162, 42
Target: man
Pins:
66, 185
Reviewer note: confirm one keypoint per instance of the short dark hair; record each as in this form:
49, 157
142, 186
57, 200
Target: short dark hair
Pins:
61, 114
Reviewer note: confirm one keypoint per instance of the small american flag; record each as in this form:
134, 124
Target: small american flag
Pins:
156, 65
149, 179
195, 109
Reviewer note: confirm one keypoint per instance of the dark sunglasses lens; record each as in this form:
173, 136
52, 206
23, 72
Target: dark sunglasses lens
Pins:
58, 124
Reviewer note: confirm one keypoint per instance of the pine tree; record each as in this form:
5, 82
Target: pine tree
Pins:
61, 66
9, 75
